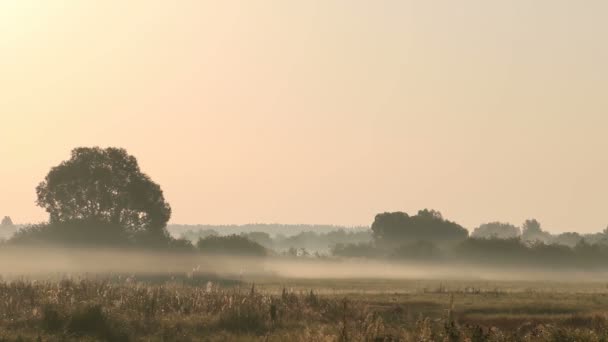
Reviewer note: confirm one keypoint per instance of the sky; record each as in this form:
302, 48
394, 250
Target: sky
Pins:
317, 111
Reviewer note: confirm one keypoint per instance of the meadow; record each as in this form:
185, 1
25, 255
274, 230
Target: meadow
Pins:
198, 308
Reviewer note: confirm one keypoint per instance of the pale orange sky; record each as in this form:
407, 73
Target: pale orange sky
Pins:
317, 111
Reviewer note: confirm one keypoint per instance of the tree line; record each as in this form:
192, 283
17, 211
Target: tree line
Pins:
101, 197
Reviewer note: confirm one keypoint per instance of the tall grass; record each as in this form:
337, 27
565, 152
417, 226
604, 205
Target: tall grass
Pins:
103, 310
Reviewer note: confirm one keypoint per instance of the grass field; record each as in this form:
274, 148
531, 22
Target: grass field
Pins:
279, 309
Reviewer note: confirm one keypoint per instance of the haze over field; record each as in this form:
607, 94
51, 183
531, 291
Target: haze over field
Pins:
317, 111
313, 170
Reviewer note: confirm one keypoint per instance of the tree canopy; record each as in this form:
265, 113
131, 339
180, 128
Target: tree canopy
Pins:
496, 230
105, 186
531, 231
230, 245
428, 225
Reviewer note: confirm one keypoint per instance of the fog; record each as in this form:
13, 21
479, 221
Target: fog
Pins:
42, 263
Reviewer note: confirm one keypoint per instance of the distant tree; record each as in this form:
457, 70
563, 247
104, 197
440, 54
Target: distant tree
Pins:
181, 244
199, 234
496, 230
419, 251
262, 238
492, 251
72, 233
569, 239
105, 186
597, 238
532, 232
532, 226
7, 222
356, 250
230, 245
393, 229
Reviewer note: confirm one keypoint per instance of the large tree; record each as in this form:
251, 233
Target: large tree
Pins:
428, 225
104, 186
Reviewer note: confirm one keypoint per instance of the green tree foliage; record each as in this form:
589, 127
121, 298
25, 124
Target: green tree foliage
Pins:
230, 245
392, 229
496, 230
105, 186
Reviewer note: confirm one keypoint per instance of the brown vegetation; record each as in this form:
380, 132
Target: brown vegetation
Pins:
128, 310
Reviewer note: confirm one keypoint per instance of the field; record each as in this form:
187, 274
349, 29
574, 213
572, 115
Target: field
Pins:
195, 308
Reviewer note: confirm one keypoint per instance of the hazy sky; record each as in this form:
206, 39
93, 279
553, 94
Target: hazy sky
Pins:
317, 111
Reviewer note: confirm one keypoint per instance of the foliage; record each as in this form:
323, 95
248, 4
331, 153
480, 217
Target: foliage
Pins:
419, 251
103, 310
532, 232
261, 238
196, 235
105, 186
569, 239
358, 250
72, 233
497, 230
273, 229
90, 234
516, 252
390, 229
493, 251
230, 245
314, 241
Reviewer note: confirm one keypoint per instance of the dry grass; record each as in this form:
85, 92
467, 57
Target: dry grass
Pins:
127, 310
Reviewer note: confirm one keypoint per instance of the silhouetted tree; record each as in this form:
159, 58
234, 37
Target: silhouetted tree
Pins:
105, 186
569, 239
419, 250
496, 230
493, 251
7, 222
196, 235
262, 238
428, 225
72, 233
532, 232
356, 250
230, 245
